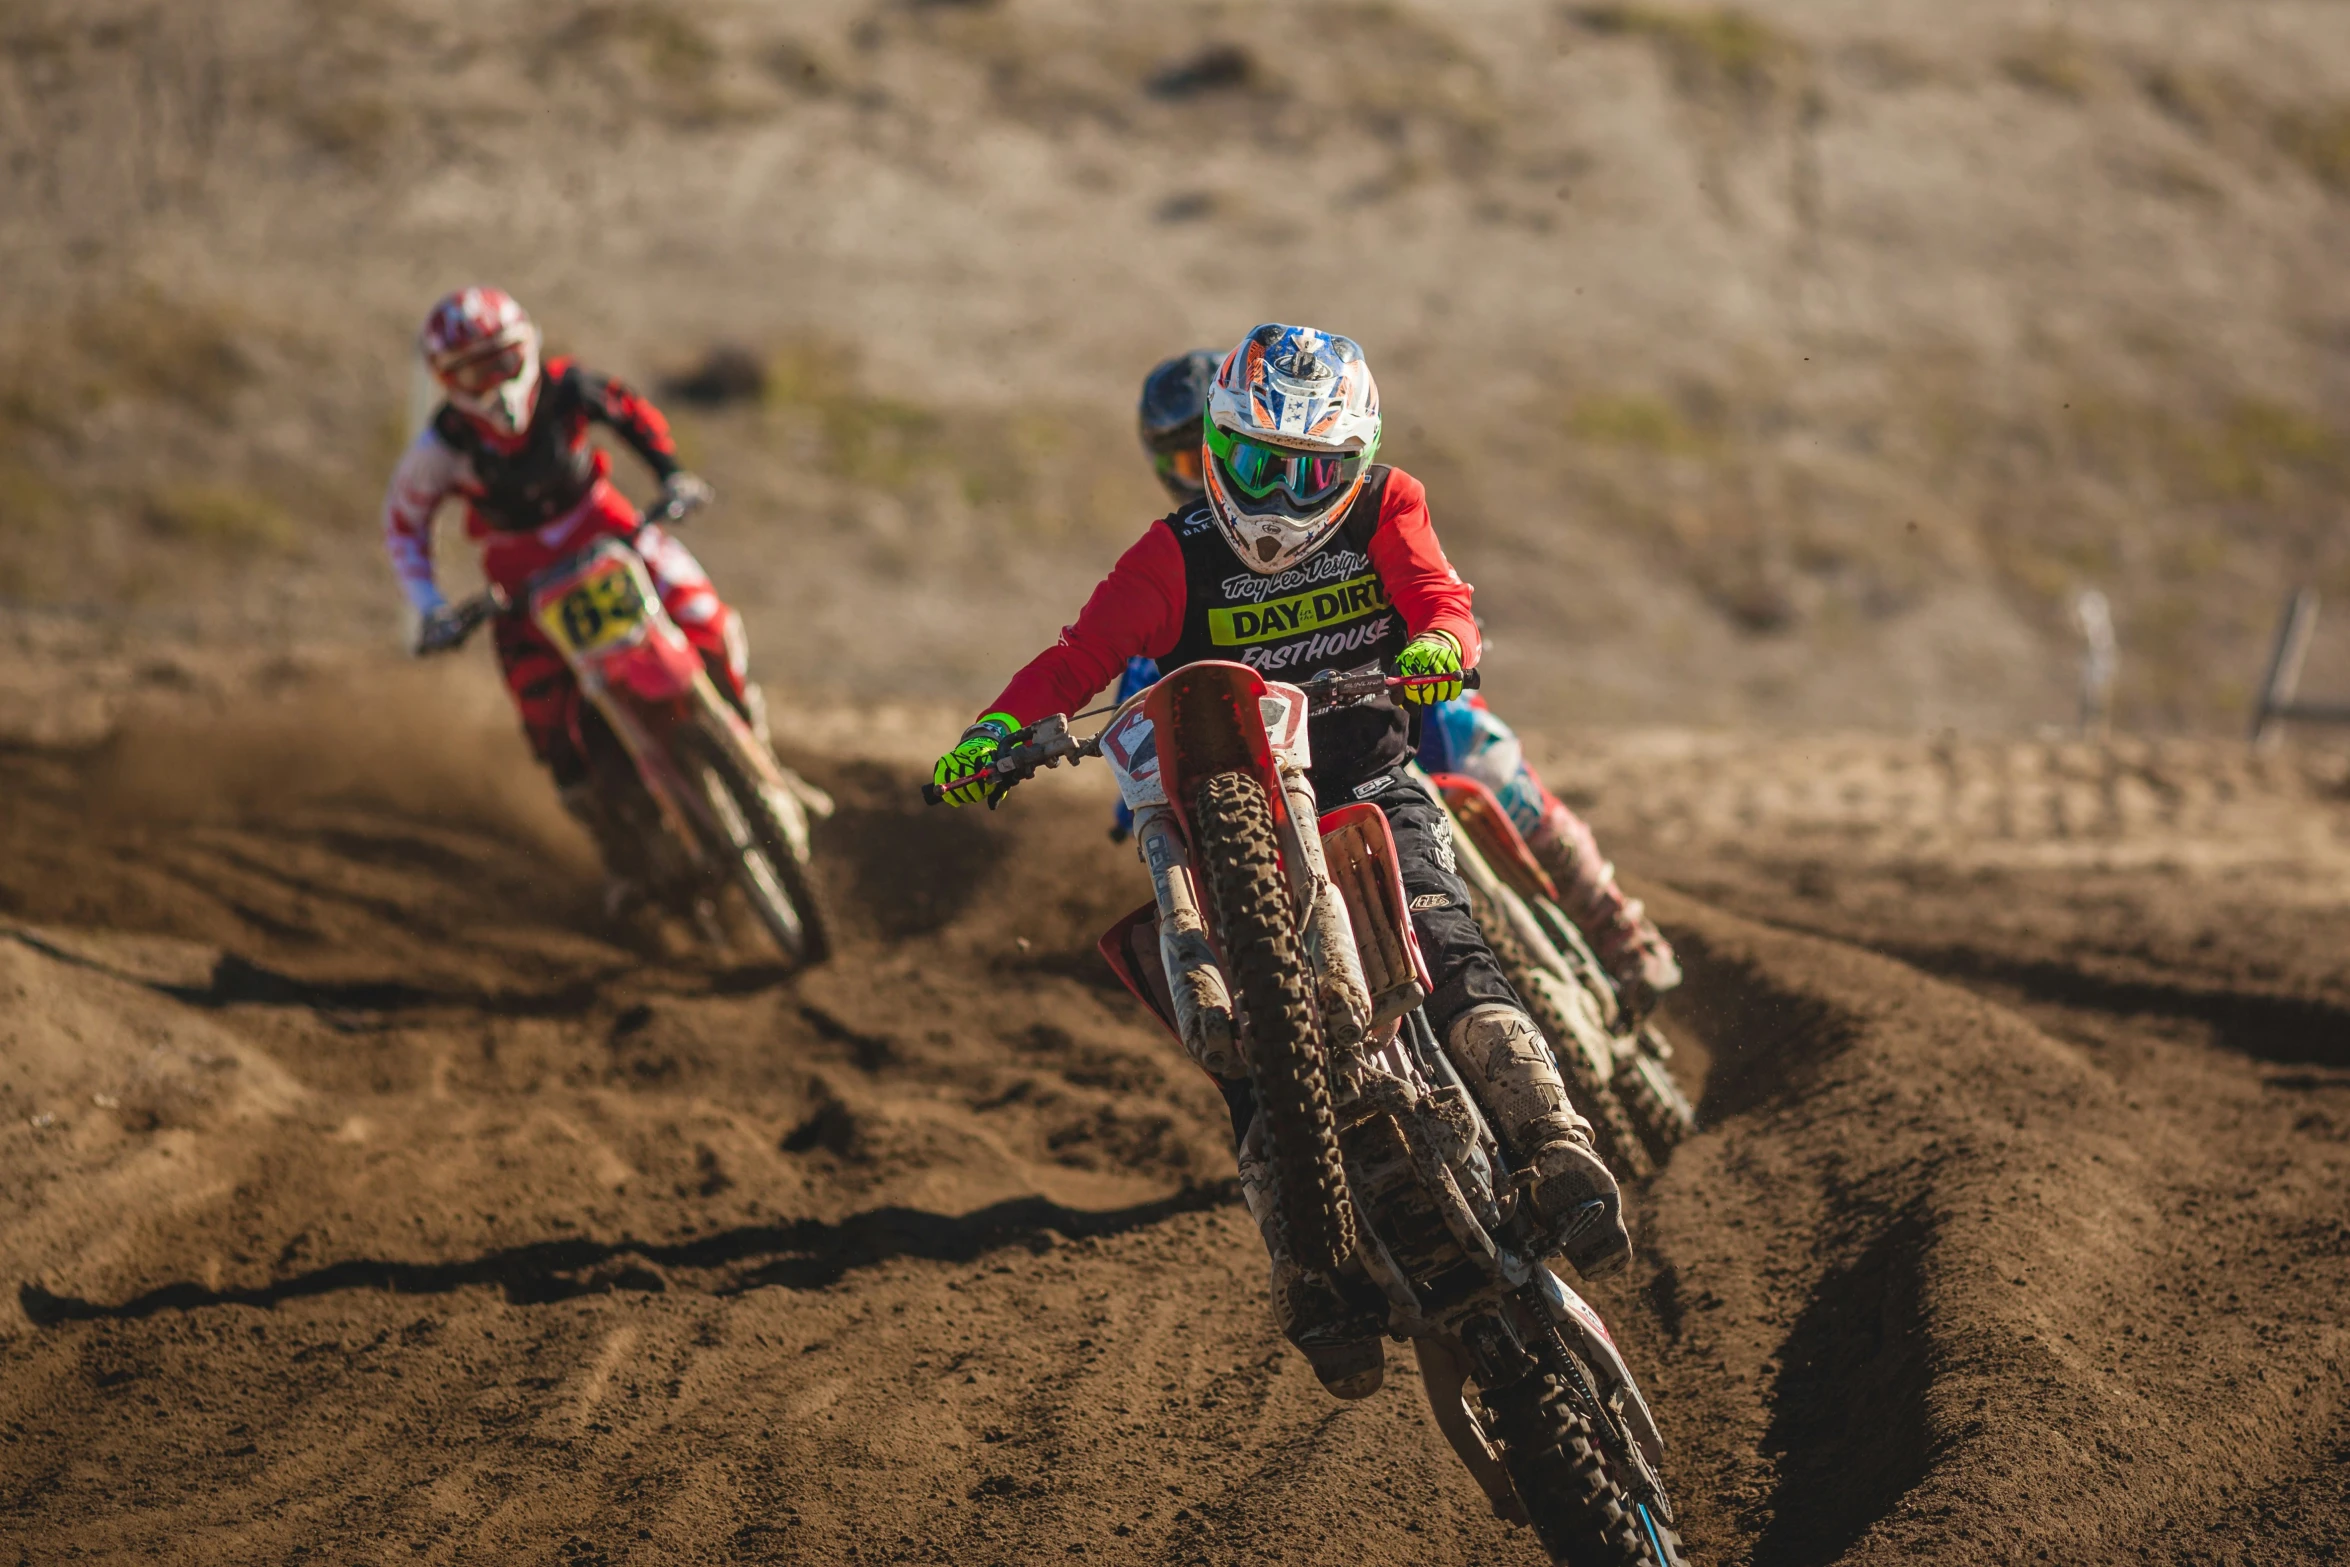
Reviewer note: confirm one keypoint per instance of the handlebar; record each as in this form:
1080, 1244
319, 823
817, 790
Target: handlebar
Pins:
471, 613
1047, 742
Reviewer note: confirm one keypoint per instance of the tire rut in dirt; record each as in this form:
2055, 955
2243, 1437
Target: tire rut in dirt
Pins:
1239, 859
1612, 1127
1582, 1515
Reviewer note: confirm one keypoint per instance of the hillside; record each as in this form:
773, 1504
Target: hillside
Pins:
1773, 365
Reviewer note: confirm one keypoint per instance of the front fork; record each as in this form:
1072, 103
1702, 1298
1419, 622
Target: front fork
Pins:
1195, 984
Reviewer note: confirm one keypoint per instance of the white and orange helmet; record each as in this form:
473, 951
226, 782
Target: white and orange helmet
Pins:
483, 349
1292, 425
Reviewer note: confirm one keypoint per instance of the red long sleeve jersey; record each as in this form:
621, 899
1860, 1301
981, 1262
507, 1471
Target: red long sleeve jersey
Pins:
519, 485
1379, 581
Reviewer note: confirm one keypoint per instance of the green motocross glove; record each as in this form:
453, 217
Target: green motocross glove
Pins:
1433, 653
974, 751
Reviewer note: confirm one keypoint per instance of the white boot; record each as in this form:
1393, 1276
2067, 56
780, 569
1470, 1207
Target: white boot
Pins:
1502, 1055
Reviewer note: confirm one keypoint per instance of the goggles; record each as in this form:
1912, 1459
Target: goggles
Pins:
1181, 466
487, 371
1257, 470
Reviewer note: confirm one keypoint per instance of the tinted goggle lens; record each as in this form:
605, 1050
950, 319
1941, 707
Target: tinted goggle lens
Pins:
485, 371
1183, 467
1307, 476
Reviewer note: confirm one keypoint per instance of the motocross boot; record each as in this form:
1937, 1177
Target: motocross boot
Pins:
1626, 942
624, 891
1340, 1341
1503, 1056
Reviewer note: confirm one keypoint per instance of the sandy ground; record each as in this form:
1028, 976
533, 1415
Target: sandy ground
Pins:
1776, 370
363, 1203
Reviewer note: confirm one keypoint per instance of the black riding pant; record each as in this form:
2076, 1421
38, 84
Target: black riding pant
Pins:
1459, 961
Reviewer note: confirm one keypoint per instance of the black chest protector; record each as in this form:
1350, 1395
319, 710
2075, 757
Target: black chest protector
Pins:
549, 474
1328, 611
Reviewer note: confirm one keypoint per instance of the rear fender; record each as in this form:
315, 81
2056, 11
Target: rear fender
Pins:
1496, 836
1358, 847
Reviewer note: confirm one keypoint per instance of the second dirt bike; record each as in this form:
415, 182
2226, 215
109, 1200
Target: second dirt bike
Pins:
1619, 1066
1278, 948
707, 804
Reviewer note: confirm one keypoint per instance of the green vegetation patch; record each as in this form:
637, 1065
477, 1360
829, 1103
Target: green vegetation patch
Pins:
1633, 420
150, 344
2318, 139
2053, 62
221, 517
29, 504
1713, 53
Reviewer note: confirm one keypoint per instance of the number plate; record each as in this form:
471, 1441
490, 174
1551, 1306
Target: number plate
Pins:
604, 608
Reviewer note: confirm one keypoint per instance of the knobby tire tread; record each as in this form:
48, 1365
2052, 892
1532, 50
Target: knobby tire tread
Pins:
1661, 1126
1238, 854
1613, 1129
1583, 1517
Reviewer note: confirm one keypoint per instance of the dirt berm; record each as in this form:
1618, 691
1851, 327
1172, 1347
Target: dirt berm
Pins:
363, 1204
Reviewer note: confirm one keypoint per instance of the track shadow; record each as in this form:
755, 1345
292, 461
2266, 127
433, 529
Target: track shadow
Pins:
1848, 1428
808, 1254
2291, 1030
237, 981
908, 869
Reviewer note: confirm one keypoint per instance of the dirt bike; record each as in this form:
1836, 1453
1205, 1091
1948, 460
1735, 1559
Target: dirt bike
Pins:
1278, 948
705, 801
1618, 1068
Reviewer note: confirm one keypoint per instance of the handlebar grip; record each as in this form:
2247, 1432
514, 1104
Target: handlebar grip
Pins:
1471, 679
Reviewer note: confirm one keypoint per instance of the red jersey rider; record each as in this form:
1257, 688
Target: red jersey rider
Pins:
1296, 517
1461, 736
512, 442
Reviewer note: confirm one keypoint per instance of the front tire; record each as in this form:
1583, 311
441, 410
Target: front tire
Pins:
759, 858
1580, 1510
1238, 854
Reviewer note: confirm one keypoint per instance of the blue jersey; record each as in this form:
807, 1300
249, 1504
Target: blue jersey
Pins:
1462, 736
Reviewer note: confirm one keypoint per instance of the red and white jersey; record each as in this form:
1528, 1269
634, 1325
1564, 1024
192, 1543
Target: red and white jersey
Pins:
543, 482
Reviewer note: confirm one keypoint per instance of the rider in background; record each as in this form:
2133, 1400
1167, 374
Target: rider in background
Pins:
1295, 516
1461, 736
511, 439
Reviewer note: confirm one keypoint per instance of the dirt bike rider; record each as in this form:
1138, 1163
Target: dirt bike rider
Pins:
511, 440
1461, 736
1293, 502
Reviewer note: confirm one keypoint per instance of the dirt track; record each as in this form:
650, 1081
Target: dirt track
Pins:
362, 1205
